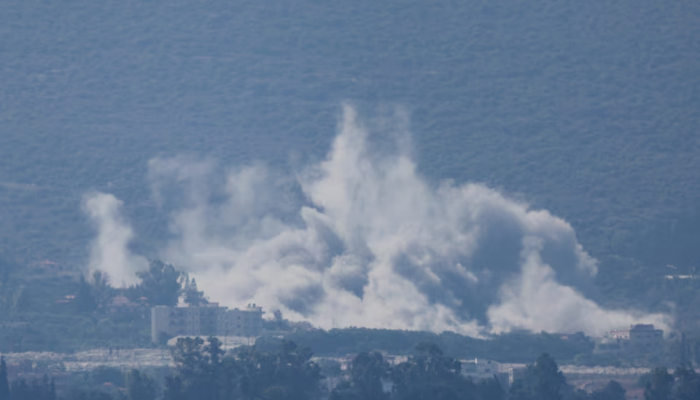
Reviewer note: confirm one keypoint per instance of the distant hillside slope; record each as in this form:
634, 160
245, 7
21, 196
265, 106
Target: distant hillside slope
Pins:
589, 109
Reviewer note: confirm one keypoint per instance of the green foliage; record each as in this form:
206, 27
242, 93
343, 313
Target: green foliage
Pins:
687, 384
4, 384
542, 381
57, 310
84, 300
140, 386
366, 373
160, 283
611, 391
429, 375
203, 371
585, 108
549, 380
519, 347
101, 289
193, 296
101, 375
44, 390
659, 386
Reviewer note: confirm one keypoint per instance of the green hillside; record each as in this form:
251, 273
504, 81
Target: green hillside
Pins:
588, 109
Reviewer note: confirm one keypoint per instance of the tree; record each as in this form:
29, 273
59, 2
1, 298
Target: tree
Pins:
659, 385
290, 370
44, 390
205, 372
542, 381
611, 391
173, 388
687, 386
4, 384
140, 386
21, 390
197, 366
52, 390
366, 373
549, 381
193, 297
490, 389
160, 283
101, 290
84, 299
431, 375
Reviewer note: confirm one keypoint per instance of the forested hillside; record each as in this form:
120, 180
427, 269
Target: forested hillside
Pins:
587, 109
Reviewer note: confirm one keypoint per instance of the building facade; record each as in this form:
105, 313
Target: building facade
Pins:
644, 338
206, 320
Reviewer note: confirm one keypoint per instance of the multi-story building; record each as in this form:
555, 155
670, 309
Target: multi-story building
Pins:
644, 338
206, 320
480, 368
639, 339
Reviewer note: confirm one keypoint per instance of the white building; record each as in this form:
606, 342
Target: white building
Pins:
639, 339
644, 338
206, 320
480, 368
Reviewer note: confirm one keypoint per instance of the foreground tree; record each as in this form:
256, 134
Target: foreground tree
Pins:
205, 372
611, 391
140, 386
431, 375
44, 390
687, 385
4, 384
659, 386
542, 381
366, 373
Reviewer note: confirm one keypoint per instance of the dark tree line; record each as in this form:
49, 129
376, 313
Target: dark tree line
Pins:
683, 384
36, 390
4, 385
205, 372
430, 375
161, 284
22, 390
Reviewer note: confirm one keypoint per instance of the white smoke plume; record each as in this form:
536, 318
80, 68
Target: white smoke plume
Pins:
360, 239
110, 252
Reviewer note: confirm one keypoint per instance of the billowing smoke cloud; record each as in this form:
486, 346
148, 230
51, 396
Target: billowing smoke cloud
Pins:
360, 239
110, 252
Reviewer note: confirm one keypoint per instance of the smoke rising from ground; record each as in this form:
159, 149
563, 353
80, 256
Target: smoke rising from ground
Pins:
360, 239
110, 252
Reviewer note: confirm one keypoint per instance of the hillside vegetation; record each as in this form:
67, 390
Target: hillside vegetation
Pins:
588, 109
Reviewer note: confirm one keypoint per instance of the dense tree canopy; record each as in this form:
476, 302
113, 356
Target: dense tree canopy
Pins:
204, 371
160, 283
44, 390
366, 374
429, 375
84, 298
687, 385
